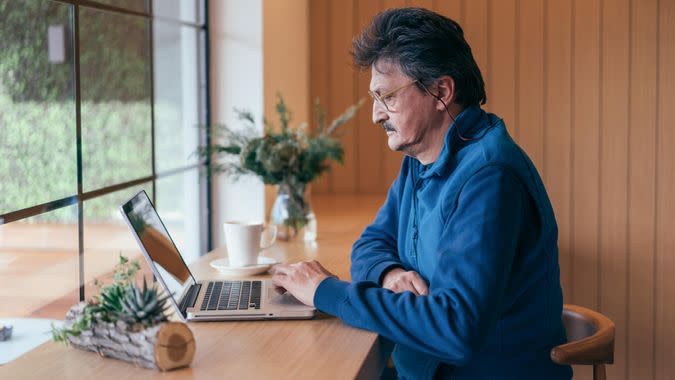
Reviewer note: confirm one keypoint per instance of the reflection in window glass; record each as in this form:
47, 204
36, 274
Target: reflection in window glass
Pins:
116, 104
39, 265
37, 122
157, 243
177, 95
106, 236
178, 204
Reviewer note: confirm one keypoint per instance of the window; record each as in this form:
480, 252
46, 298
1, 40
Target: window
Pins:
99, 99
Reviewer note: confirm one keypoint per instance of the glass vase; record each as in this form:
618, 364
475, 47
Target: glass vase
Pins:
292, 213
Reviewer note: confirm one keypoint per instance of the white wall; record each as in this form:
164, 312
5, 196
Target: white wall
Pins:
236, 81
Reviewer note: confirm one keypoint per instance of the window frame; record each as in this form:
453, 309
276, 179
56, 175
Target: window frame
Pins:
203, 61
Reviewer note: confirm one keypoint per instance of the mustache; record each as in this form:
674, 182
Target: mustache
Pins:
387, 126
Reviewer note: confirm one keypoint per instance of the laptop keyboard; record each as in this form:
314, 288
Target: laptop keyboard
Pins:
232, 295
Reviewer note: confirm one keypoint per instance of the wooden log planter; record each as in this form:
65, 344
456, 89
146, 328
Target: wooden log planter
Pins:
164, 347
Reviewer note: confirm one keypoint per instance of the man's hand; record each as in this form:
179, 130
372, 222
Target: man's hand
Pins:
399, 281
300, 279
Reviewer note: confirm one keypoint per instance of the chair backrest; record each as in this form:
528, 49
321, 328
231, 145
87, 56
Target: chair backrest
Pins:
590, 340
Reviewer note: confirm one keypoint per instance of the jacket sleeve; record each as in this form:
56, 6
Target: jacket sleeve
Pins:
376, 250
462, 307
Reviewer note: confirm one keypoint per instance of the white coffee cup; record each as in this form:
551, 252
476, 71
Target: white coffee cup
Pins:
244, 241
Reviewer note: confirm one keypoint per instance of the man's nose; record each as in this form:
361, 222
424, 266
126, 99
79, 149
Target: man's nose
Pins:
380, 114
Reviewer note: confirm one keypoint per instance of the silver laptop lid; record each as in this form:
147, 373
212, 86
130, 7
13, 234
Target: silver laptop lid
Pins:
158, 247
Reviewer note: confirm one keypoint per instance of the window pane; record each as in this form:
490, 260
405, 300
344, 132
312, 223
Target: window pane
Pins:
180, 10
106, 237
39, 265
177, 95
37, 122
116, 103
134, 5
179, 206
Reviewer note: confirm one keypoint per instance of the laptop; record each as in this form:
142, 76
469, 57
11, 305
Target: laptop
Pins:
209, 300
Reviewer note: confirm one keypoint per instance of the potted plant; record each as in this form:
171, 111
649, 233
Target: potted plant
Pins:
289, 158
128, 322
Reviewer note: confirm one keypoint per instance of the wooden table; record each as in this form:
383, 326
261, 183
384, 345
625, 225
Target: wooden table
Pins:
322, 348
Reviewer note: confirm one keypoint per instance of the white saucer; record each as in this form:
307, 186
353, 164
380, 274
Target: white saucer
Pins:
223, 266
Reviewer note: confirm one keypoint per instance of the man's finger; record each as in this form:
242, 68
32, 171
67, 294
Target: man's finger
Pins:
279, 280
279, 268
405, 285
410, 286
420, 286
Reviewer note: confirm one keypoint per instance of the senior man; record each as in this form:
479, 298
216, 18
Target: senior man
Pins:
460, 266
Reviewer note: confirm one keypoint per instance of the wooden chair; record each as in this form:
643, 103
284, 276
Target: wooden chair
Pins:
590, 337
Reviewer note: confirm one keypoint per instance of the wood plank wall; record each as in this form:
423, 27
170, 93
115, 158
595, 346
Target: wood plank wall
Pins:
587, 87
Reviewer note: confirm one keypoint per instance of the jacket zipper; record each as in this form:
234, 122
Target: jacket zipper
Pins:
415, 220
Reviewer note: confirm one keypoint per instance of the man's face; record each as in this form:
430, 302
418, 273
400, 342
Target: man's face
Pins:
411, 115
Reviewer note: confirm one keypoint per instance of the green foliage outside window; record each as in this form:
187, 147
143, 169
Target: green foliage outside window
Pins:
106, 53
38, 150
37, 104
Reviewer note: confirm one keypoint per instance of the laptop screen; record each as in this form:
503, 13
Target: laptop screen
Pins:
160, 249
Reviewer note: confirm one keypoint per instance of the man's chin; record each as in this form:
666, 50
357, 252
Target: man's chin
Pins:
398, 148
395, 144
392, 143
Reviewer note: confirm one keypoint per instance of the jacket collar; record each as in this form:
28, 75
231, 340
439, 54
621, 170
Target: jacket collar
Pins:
469, 123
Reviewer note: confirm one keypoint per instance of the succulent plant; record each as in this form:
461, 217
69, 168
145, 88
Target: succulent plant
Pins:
110, 302
141, 306
5, 332
122, 300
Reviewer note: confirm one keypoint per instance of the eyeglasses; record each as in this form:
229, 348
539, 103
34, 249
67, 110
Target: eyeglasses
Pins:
387, 99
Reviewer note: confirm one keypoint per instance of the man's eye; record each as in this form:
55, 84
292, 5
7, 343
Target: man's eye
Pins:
387, 97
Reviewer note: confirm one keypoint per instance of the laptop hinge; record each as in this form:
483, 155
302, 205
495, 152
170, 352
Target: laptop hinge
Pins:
190, 298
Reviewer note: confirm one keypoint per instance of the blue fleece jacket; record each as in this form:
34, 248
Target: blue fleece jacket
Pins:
478, 226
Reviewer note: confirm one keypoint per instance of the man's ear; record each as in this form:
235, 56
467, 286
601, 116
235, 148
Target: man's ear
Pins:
445, 87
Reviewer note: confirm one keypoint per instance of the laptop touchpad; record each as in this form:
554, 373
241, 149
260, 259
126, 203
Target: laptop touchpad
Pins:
284, 299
